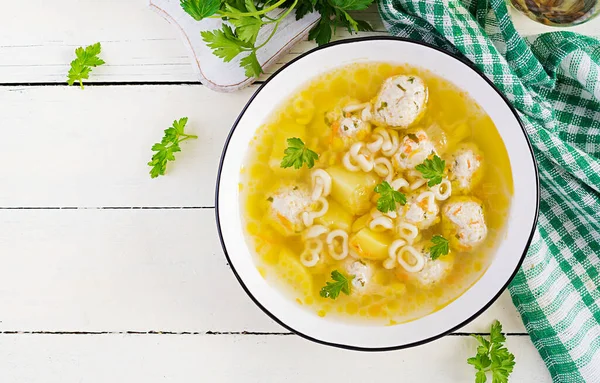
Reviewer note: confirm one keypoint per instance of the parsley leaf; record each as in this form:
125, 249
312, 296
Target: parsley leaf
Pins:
224, 43
303, 9
82, 66
480, 377
168, 146
251, 64
433, 170
389, 197
341, 284
247, 28
364, 26
439, 248
351, 5
496, 335
492, 356
200, 9
297, 154
321, 32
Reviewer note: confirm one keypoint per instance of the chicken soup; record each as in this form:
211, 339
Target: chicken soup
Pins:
377, 191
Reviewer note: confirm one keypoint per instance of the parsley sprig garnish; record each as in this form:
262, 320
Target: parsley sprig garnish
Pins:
247, 17
433, 170
340, 283
168, 146
388, 197
82, 65
440, 247
297, 154
492, 356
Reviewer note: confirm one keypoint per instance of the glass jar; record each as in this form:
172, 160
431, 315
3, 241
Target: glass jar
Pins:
559, 13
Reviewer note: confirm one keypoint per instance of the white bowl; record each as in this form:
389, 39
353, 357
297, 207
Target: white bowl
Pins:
511, 251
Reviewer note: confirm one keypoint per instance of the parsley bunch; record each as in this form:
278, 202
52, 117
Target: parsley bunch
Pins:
169, 145
245, 18
492, 356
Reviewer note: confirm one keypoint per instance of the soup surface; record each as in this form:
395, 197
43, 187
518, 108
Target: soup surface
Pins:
377, 191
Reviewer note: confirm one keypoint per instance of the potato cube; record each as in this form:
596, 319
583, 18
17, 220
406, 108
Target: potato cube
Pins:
294, 273
361, 222
336, 217
371, 245
352, 190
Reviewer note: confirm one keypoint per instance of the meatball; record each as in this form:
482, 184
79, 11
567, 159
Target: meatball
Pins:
363, 275
433, 272
466, 168
421, 211
286, 207
463, 223
353, 126
348, 130
400, 102
414, 149
349, 124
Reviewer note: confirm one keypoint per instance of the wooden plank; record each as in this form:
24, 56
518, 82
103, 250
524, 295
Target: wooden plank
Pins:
133, 270
248, 359
90, 148
139, 45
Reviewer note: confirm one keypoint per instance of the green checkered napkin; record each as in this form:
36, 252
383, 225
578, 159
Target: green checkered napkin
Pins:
553, 80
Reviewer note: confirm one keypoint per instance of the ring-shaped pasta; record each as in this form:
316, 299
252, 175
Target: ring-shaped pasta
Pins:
347, 161
331, 237
417, 180
408, 231
417, 184
383, 167
313, 245
399, 183
365, 164
376, 214
443, 190
308, 217
304, 110
390, 263
375, 145
355, 149
355, 107
321, 181
324, 208
390, 148
315, 231
380, 136
381, 224
367, 113
419, 259
310, 258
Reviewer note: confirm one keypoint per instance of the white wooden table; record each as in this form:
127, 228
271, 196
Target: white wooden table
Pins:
109, 276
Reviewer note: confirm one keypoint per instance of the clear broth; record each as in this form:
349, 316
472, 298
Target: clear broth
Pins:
448, 107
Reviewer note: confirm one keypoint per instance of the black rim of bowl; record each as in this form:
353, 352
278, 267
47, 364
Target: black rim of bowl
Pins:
402, 346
